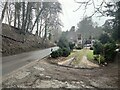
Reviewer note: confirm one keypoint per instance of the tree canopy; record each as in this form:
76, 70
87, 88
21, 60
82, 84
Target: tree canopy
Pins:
39, 18
87, 28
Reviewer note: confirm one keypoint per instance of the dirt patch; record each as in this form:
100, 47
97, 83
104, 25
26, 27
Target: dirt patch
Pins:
85, 63
43, 74
66, 62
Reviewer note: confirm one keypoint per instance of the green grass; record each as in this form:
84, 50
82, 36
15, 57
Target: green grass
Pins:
79, 55
90, 55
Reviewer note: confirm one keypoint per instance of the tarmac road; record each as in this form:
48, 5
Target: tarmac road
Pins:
11, 63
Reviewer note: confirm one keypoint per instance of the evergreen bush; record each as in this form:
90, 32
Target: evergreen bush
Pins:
66, 52
55, 54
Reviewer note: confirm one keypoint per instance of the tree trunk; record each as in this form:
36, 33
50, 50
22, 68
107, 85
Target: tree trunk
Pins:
40, 27
36, 19
23, 17
45, 35
27, 16
8, 17
15, 14
37, 27
9, 14
28, 23
37, 12
3, 11
19, 20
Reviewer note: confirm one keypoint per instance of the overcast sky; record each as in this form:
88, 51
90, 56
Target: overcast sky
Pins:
71, 18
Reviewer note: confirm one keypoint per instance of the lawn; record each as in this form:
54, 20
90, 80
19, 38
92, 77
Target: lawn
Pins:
78, 54
90, 55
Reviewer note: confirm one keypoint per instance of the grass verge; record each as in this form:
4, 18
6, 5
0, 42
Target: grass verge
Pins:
78, 54
90, 55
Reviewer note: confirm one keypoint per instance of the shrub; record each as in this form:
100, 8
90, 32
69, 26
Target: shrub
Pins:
66, 52
109, 51
96, 57
104, 38
55, 54
99, 58
78, 47
60, 51
71, 45
63, 43
98, 48
102, 59
91, 48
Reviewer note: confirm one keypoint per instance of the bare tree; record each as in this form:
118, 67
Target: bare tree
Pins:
15, 14
3, 11
23, 17
46, 16
37, 18
27, 15
97, 8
